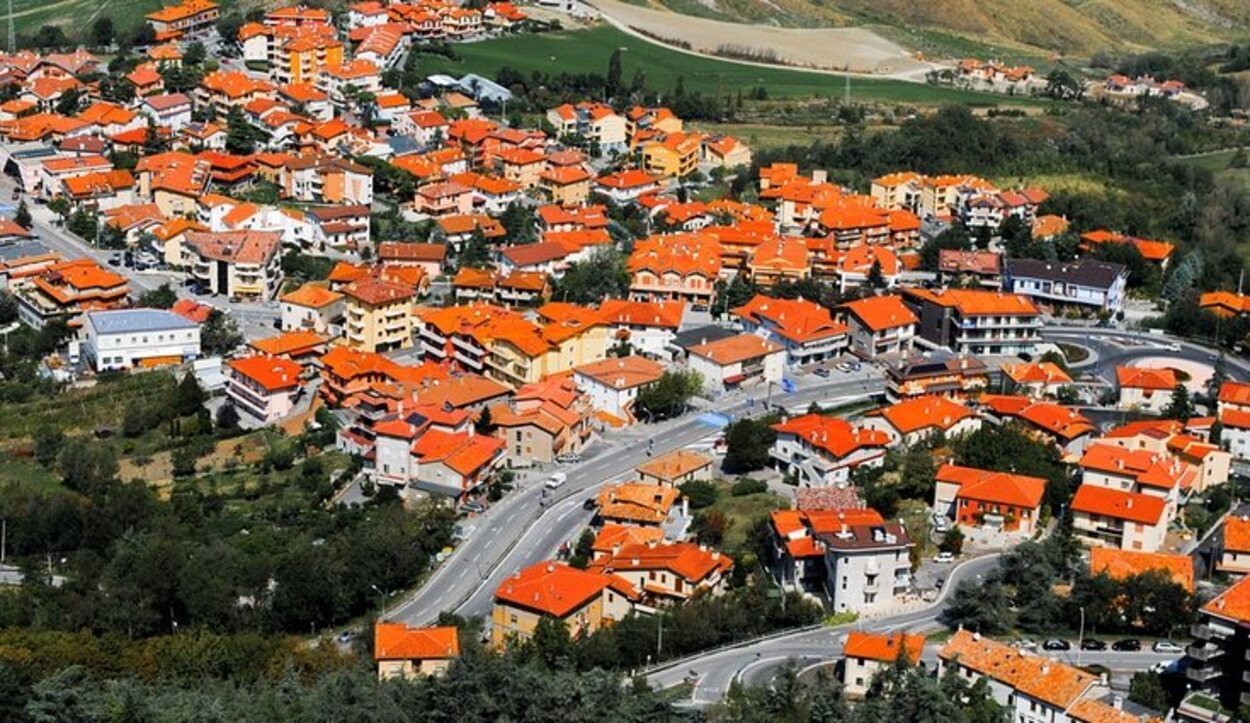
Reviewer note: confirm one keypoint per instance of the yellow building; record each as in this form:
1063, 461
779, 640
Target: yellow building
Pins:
566, 185
378, 315
582, 601
300, 58
404, 652
675, 156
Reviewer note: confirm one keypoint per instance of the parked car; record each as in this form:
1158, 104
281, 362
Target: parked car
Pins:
346, 637
115, 260
1166, 646
472, 506
589, 504
823, 372
1056, 644
1092, 644
569, 458
1127, 645
1026, 644
944, 558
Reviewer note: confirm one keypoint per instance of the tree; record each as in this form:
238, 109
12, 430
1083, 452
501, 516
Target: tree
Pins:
21, 217
668, 396
1219, 375
1062, 85
953, 542
102, 31
143, 36
188, 397
710, 527
748, 442
194, 54
1181, 407
602, 276
240, 135
162, 297
980, 607
49, 441
476, 253
219, 335
699, 493
550, 644
583, 550
484, 425
227, 418
1067, 395
876, 279
614, 80
1146, 688
916, 478
953, 238
732, 295
70, 102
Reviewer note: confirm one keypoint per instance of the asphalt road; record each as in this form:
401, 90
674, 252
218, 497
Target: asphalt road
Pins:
1117, 348
516, 532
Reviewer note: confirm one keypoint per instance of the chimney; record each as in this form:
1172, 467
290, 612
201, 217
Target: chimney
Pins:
1117, 702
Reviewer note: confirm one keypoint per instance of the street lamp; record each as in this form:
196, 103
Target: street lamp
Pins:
1080, 638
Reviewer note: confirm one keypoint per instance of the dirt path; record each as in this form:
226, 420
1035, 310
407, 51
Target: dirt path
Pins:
843, 50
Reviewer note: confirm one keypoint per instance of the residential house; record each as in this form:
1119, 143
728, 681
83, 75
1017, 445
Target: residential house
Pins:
598, 124
957, 267
866, 654
668, 572
729, 363
880, 326
805, 329
428, 256
635, 503
822, 451
1234, 548
582, 601
675, 468
867, 566
1124, 564
542, 421
677, 267
402, 651
613, 384
311, 307
1003, 501
264, 387
1067, 428
912, 421
1036, 379
647, 327
1116, 518
65, 289
1146, 389
1233, 405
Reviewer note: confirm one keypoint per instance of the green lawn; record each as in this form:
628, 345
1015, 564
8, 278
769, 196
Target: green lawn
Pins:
25, 472
743, 512
583, 51
81, 411
1218, 163
75, 17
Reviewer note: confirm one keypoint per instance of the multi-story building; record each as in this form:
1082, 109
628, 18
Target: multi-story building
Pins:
311, 307
880, 326
1234, 414
675, 468
805, 329
938, 372
1234, 546
1118, 518
729, 363
64, 290
235, 263
613, 384
377, 315
667, 572
601, 127
679, 267
543, 421
189, 17
142, 338
263, 387
867, 566
648, 327
822, 451
1219, 658
1036, 379
1088, 284
976, 321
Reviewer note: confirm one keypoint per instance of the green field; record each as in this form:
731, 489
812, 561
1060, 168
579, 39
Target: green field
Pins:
588, 51
76, 16
1219, 164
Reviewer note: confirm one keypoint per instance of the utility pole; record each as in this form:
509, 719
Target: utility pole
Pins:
659, 638
848, 90
12, 32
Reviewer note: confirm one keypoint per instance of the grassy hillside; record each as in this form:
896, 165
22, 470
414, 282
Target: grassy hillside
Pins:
1078, 27
589, 50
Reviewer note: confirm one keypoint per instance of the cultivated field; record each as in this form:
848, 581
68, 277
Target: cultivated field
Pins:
850, 49
588, 51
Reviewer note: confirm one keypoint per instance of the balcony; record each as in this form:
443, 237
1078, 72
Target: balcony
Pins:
1203, 674
1204, 652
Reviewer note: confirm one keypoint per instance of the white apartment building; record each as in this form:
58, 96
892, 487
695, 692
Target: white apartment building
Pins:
130, 338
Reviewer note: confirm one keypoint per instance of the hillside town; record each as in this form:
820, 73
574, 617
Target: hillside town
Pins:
438, 374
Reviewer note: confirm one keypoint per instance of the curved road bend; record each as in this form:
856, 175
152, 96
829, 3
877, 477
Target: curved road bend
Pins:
1109, 345
516, 532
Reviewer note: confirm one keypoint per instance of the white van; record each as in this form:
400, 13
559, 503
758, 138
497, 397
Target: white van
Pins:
556, 480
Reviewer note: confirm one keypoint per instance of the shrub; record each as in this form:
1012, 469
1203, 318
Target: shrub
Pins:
748, 486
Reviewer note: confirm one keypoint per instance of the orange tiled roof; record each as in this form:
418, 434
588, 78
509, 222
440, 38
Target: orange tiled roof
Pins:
1118, 504
674, 465
664, 314
1052, 418
1146, 378
396, 641
1036, 373
551, 588
885, 648
977, 302
1233, 603
691, 562
274, 374
1001, 488
1121, 564
879, 313
1235, 393
636, 502
292, 342
1036, 676
924, 412
623, 373
312, 295
832, 434
736, 349
799, 320
613, 536
1237, 534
